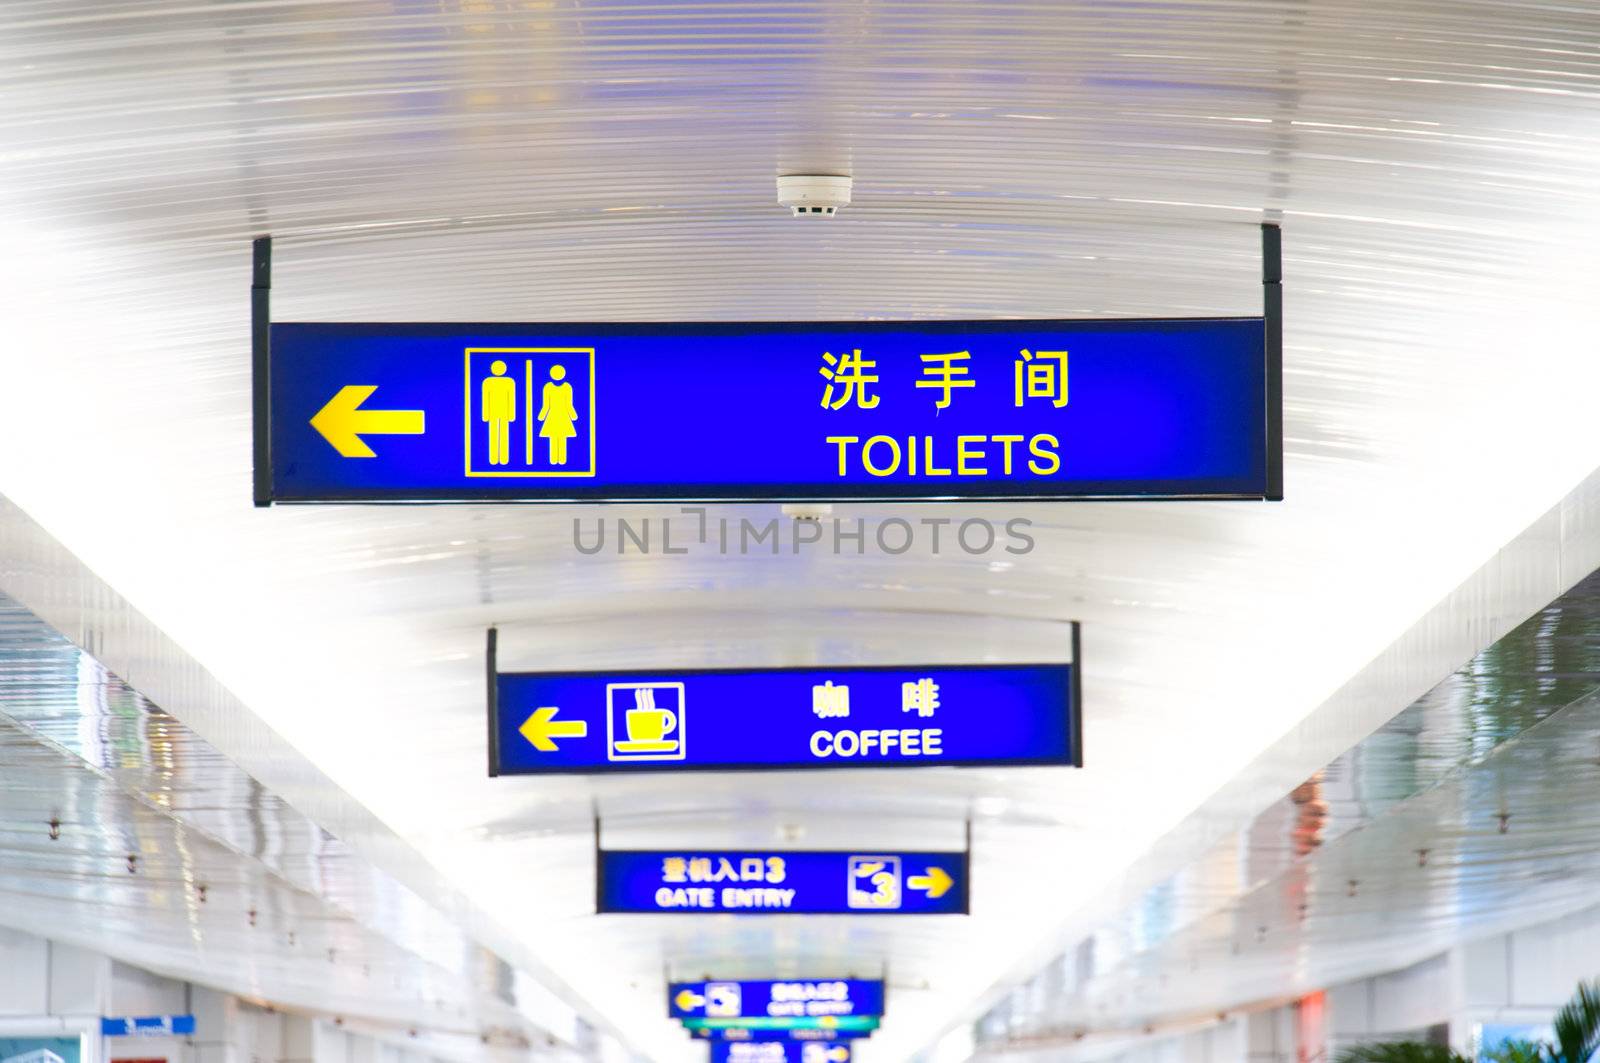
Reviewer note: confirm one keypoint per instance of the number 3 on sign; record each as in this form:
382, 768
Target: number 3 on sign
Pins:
874, 882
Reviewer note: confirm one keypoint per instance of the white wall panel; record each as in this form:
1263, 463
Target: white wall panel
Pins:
24, 974
138, 992
80, 980
1548, 961
1415, 998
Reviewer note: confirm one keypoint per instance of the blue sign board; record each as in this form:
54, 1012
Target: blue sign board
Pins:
148, 1026
819, 1033
848, 717
862, 882
779, 1052
728, 412
780, 1028
733, 1000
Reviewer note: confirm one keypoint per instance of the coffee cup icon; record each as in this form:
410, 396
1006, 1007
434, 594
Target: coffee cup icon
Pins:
646, 723
652, 732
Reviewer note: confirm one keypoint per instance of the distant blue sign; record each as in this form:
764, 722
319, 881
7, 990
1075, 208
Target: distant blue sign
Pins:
724, 412
148, 1026
739, 1033
863, 882
733, 1000
779, 1052
967, 715
783, 1028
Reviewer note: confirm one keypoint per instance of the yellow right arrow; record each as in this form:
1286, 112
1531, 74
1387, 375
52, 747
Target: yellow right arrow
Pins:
936, 882
542, 728
342, 422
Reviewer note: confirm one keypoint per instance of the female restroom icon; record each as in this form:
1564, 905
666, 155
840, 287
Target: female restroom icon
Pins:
557, 416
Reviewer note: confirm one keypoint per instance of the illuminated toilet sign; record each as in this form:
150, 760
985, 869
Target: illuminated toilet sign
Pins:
785, 718
726, 412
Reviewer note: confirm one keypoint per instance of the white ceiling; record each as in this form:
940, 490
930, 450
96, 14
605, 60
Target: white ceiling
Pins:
1432, 166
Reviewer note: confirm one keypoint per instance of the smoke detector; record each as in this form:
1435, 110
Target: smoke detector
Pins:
813, 195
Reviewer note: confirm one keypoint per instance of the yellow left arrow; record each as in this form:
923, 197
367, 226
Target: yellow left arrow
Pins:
936, 882
542, 729
342, 422
688, 1000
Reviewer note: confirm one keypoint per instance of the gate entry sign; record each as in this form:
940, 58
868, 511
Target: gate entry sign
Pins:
770, 411
806, 882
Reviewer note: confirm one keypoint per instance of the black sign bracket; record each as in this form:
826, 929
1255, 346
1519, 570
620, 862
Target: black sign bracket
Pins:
1272, 297
261, 367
